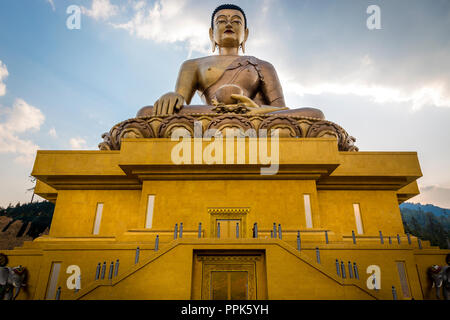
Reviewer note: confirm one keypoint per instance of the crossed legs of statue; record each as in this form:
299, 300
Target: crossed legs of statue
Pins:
195, 109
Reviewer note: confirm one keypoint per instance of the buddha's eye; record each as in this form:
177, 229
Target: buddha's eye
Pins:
237, 21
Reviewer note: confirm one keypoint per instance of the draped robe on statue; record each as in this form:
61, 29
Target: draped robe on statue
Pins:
251, 75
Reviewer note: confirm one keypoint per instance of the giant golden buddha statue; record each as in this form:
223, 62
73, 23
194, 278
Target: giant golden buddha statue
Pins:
227, 78
238, 91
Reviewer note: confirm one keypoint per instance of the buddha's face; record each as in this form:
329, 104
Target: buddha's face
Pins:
229, 28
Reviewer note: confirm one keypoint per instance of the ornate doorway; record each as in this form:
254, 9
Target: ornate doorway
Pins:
227, 276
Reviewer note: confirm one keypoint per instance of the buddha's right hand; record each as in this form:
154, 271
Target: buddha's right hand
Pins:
168, 104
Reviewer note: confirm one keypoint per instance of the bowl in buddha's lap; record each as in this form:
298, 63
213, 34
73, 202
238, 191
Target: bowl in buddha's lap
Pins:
223, 94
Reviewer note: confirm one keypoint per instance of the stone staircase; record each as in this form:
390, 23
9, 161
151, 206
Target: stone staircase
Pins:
326, 269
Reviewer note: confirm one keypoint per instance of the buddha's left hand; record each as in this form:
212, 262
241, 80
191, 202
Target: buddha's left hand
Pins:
254, 107
249, 103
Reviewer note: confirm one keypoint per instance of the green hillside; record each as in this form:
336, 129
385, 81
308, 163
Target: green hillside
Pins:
37, 214
427, 222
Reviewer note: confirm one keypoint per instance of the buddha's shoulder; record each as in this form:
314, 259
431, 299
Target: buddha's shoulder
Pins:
263, 63
201, 60
192, 63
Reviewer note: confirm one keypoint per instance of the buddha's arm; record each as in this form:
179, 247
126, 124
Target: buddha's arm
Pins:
271, 87
184, 90
187, 81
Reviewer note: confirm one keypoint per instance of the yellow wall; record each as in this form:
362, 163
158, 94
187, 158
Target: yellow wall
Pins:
337, 213
75, 212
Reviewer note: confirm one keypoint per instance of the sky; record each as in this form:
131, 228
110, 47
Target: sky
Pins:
61, 88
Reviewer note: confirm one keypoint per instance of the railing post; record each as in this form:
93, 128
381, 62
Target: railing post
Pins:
353, 237
298, 241
409, 238
394, 293
344, 275
157, 242
350, 271
175, 231
218, 230
102, 276
116, 268
97, 272
279, 232
111, 270
237, 230
78, 283
355, 269
136, 257
200, 230
338, 271
326, 236
181, 230
398, 239
58, 293
381, 237
274, 230
317, 255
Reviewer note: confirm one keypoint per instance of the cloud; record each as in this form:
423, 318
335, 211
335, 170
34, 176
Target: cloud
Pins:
78, 143
168, 21
3, 74
101, 10
20, 118
364, 81
23, 117
52, 133
52, 3
433, 194
422, 96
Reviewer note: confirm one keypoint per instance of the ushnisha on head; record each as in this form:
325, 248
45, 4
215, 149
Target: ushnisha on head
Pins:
228, 27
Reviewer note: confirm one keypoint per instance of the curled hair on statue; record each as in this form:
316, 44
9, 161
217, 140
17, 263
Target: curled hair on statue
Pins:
231, 7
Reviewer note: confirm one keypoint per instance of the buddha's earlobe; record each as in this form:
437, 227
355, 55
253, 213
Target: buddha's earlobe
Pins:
245, 39
213, 42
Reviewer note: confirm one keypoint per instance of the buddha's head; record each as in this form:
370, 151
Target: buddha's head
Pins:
228, 27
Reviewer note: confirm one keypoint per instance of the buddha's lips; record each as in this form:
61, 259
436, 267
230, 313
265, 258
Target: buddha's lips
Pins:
228, 31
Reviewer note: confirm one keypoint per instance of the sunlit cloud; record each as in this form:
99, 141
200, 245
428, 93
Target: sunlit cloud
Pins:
433, 194
21, 118
78, 143
101, 10
168, 21
425, 96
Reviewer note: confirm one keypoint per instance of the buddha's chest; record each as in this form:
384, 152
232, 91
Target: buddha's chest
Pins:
217, 72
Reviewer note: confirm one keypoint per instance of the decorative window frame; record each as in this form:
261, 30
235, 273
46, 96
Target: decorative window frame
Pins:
228, 213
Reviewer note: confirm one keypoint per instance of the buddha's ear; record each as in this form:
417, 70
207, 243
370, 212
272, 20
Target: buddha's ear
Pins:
245, 40
211, 37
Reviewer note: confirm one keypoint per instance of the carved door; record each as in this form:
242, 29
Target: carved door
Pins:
229, 277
